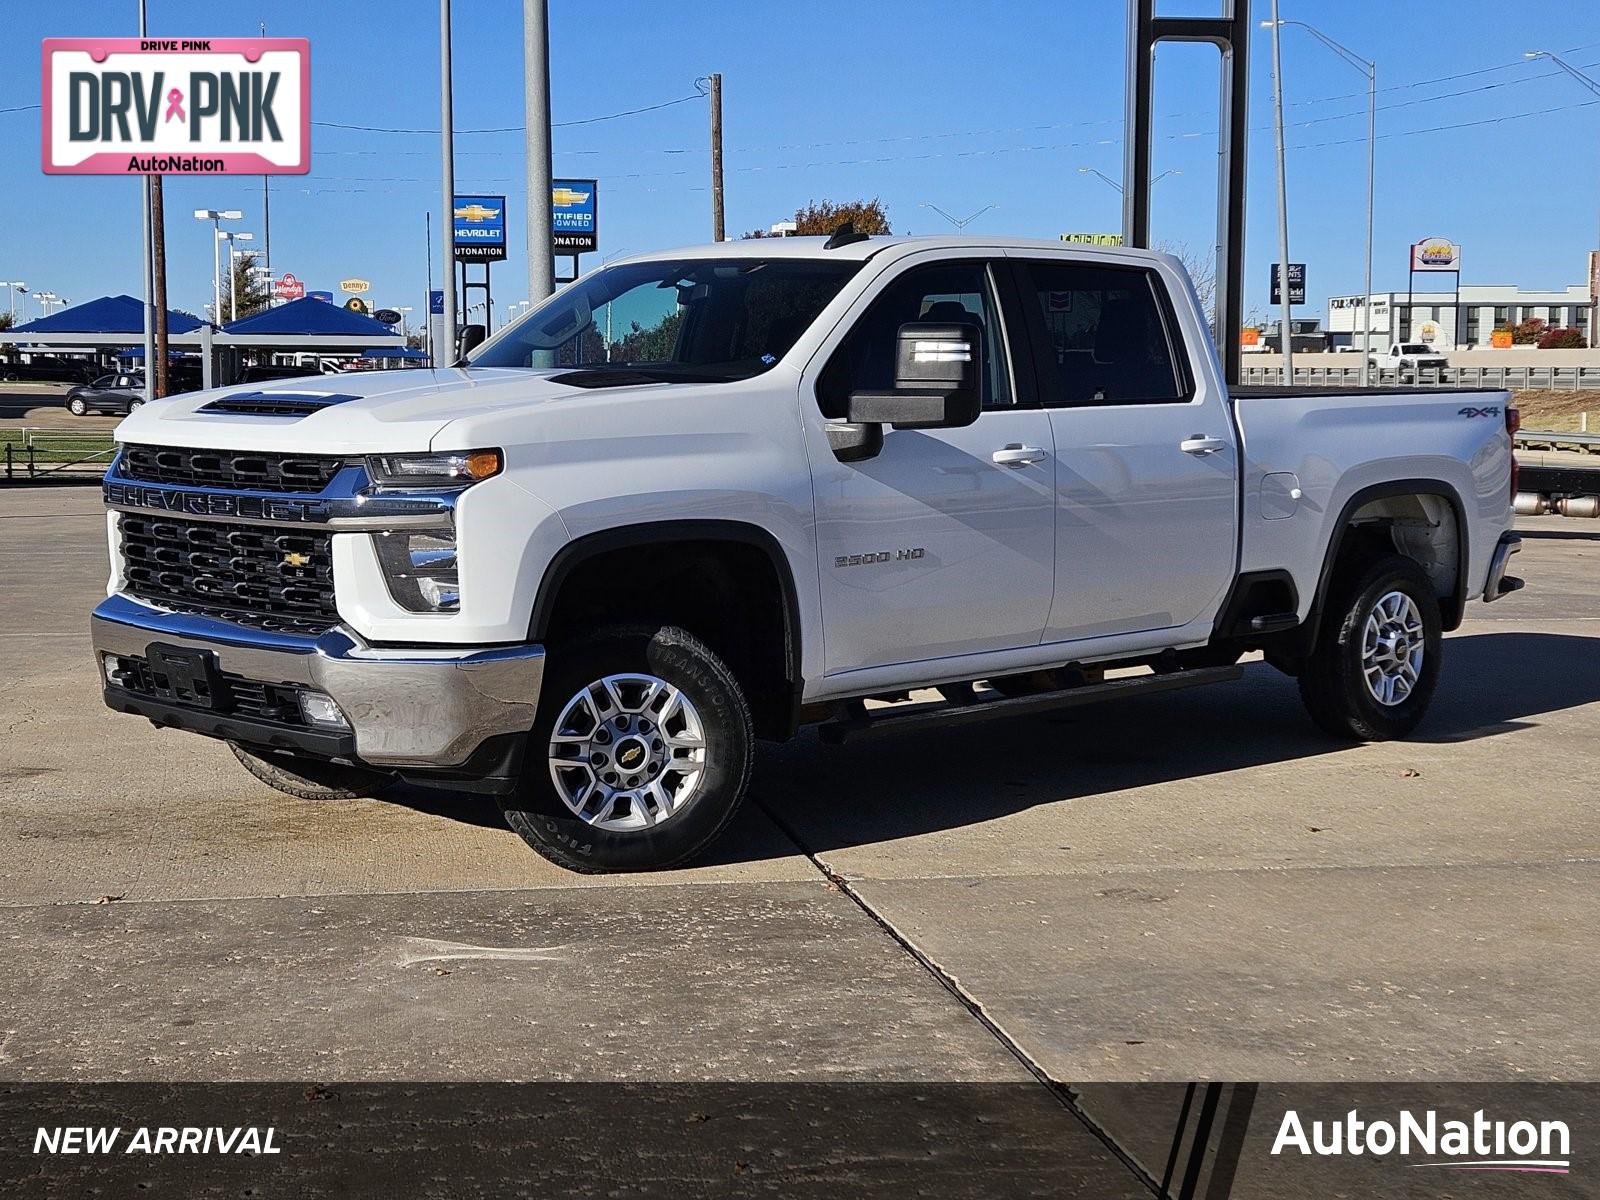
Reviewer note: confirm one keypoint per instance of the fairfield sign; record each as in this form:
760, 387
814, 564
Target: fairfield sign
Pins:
170, 106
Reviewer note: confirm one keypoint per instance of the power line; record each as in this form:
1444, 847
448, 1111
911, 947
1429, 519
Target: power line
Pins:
631, 112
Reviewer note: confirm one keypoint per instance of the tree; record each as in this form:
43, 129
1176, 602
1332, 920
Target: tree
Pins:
7, 320
1563, 339
251, 289
1527, 333
1202, 270
822, 217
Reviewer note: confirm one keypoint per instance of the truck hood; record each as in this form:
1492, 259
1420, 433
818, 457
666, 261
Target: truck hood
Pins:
358, 413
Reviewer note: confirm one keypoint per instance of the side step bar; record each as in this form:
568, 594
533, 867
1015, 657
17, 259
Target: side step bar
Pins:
943, 714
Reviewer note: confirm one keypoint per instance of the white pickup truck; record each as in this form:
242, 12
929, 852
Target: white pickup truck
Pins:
719, 494
1408, 359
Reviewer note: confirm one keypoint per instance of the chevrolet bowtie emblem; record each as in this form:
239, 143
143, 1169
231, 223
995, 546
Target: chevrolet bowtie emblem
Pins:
296, 559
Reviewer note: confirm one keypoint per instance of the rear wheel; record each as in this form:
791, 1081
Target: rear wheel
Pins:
640, 755
311, 778
1376, 664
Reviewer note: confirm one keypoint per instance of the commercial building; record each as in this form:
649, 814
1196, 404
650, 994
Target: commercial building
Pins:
1445, 321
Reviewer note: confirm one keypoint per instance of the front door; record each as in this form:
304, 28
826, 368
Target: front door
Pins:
1147, 464
943, 544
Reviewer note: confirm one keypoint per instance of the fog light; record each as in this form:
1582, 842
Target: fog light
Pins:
420, 569
321, 710
113, 668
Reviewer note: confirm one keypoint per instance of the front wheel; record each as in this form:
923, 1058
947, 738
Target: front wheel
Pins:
1376, 664
640, 754
77, 407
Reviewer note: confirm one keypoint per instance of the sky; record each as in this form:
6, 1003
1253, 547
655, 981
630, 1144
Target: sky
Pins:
958, 105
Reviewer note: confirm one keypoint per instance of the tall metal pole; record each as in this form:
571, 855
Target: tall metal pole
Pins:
158, 254
1287, 326
536, 109
149, 265
447, 352
216, 271
266, 218
718, 232
1366, 293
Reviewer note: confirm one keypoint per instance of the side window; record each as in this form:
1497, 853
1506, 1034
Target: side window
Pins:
954, 291
1106, 339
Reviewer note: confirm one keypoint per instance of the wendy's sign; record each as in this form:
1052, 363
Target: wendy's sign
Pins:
189, 106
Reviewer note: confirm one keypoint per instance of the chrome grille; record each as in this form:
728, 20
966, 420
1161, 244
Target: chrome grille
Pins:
267, 578
237, 469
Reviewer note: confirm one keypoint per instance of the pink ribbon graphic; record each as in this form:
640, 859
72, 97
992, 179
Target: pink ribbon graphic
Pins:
175, 105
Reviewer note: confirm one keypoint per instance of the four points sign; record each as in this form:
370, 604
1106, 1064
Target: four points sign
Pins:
170, 106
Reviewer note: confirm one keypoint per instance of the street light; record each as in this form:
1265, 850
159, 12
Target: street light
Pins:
233, 276
959, 222
1285, 320
1588, 81
46, 299
217, 217
1112, 183
14, 288
1371, 71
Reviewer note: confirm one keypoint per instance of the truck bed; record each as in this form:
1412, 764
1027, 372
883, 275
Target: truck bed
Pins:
1310, 390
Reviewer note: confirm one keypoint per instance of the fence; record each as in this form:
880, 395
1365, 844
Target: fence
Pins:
37, 454
1530, 378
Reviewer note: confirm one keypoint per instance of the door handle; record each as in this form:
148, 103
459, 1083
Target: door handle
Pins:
1015, 454
1200, 444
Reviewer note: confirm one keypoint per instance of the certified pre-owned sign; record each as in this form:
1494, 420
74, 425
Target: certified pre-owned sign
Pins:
190, 106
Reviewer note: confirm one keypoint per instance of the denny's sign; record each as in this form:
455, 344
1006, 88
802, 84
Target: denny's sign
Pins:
181, 106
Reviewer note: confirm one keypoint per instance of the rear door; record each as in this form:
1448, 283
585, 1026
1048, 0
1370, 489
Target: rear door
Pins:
1146, 462
942, 544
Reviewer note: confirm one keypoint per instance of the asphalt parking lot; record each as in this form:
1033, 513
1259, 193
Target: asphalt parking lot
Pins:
1177, 887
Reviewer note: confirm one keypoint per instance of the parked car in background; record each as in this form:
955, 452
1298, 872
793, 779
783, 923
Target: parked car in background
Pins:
47, 368
118, 393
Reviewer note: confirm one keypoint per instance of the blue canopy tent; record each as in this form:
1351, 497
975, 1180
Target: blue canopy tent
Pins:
108, 321
310, 324
407, 353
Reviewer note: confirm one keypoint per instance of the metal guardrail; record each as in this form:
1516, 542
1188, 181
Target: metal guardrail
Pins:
1545, 439
1553, 379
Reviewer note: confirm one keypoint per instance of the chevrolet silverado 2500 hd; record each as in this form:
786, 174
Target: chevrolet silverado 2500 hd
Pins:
705, 497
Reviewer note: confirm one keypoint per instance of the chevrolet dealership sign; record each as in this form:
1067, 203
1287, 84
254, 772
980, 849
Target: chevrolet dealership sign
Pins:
182, 106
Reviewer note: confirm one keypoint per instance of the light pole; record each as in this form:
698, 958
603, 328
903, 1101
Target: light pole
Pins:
1370, 69
14, 288
958, 222
1285, 321
1112, 183
233, 274
217, 217
447, 181
536, 113
1593, 85
46, 301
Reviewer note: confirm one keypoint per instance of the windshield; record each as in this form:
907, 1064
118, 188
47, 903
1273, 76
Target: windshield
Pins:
1416, 349
700, 320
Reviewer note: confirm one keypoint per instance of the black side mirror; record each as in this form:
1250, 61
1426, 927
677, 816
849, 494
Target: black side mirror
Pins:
936, 384
467, 340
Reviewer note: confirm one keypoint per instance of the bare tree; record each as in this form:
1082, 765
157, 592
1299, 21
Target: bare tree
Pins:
1202, 270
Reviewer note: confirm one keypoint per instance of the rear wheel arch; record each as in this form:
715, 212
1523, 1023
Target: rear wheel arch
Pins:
728, 582
1421, 519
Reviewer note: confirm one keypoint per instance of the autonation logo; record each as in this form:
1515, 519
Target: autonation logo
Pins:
1481, 1144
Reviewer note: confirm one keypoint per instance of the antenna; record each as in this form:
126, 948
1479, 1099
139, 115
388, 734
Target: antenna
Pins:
845, 235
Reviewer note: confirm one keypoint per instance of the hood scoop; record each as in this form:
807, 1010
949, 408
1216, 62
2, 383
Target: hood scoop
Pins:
274, 404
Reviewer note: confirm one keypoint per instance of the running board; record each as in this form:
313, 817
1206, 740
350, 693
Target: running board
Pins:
942, 714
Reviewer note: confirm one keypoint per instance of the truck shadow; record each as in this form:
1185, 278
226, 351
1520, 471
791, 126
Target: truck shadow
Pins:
915, 783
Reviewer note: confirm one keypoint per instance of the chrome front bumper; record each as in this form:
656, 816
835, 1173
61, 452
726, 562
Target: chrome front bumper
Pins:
411, 708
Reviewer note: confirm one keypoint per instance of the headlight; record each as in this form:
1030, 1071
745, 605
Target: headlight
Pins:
420, 569
453, 469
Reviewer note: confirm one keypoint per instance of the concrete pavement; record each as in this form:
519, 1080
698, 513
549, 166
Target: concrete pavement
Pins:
1193, 885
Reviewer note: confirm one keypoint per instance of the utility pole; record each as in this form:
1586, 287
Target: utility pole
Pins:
447, 353
266, 217
1286, 327
158, 252
536, 109
145, 205
718, 233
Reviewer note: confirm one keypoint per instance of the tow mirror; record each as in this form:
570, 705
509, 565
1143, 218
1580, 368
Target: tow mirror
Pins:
936, 383
468, 340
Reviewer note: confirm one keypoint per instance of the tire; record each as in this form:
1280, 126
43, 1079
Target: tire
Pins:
77, 407
311, 778
1334, 683
10, 377
134, 406
595, 694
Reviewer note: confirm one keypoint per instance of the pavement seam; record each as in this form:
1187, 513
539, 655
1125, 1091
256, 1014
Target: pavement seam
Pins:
1062, 1094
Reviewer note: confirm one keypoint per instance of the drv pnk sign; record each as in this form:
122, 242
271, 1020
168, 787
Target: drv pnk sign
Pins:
177, 106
